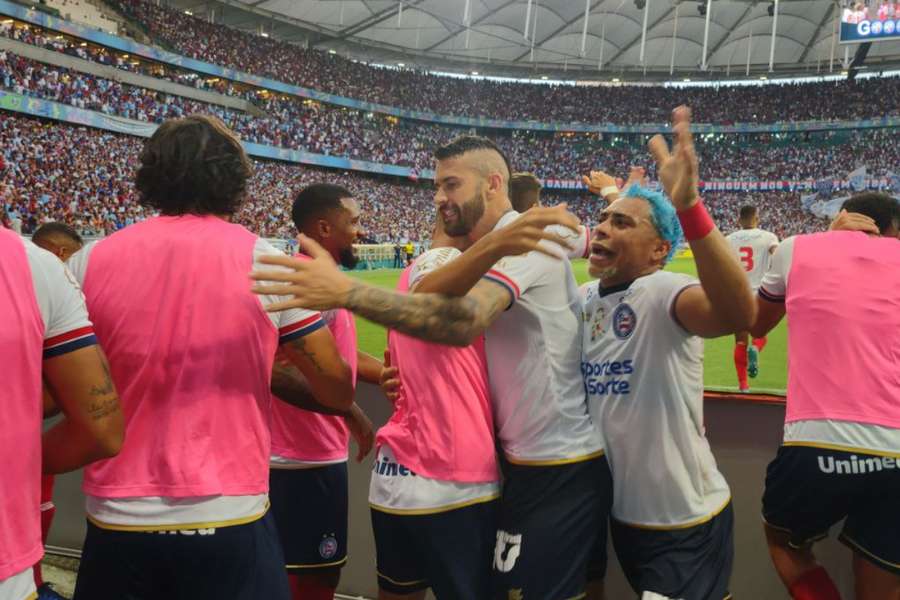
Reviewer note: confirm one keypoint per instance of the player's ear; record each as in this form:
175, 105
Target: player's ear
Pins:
661, 250
323, 227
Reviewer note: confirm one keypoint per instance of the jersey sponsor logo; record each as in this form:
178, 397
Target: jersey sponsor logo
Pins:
189, 532
328, 547
623, 321
507, 551
387, 468
857, 466
594, 374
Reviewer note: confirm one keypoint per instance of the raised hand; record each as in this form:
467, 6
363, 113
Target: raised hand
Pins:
536, 225
678, 170
598, 181
315, 284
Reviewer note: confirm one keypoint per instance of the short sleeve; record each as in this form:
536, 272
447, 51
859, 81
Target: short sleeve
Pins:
675, 284
430, 261
66, 324
519, 273
774, 284
580, 242
292, 323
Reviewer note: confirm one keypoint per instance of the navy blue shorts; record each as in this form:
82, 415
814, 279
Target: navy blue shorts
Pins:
450, 552
810, 489
239, 562
310, 510
553, 529
690, 564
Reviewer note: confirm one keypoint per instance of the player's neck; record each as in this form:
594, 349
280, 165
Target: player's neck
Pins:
493, 212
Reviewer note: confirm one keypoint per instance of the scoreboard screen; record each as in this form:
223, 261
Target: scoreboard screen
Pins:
872, 21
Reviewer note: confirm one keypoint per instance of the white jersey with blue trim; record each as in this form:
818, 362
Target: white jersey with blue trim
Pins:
644, 377
533, 355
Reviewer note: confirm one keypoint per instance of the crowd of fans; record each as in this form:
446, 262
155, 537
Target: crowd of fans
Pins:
51, 171
406, 88
324, 129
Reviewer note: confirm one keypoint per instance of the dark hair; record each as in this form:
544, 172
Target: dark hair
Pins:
469, 143
883, 208
48, 230
316, 199
524, 189
193, 165
747, 212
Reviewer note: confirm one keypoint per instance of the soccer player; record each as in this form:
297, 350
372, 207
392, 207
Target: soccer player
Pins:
524, 191
435, 482
754, 247
671, 522
841, 449
47, 337
182, 512
62, 241
308, 485
557, 483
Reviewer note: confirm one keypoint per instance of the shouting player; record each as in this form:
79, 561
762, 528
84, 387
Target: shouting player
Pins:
754, 247
672, 522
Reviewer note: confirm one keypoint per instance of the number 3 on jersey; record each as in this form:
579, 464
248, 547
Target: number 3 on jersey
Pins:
747, 257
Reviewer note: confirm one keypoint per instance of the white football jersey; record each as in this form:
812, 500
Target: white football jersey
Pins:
644, 377
533, 355
754, 249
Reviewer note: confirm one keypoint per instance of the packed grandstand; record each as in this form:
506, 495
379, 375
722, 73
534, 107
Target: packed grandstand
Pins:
48, 176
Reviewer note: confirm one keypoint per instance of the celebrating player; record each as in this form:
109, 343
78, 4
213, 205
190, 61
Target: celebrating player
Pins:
309, 450
557, 487
672, 523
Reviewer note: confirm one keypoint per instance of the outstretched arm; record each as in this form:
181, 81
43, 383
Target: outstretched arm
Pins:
723, 303
317, 284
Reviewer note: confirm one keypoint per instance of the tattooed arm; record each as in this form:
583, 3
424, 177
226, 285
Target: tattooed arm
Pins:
432, 317
93, 427
310, 372
317, 284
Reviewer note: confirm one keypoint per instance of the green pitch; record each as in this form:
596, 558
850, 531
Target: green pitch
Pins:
718, 362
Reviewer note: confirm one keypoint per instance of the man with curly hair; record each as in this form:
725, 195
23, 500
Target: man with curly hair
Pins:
182, 512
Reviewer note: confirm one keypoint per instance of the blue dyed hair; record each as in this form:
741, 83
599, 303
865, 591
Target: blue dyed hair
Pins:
662, 215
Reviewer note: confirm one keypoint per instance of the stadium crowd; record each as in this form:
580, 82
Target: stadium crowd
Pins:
51, 173
406, 88
323, 129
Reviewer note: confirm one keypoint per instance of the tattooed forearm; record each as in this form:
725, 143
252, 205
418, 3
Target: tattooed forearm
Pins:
100, 409
107, 387
289, 384
431, 317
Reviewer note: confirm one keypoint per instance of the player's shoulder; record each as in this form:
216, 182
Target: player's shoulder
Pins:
666, 279
437, 255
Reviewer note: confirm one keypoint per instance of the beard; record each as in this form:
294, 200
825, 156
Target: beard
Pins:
348, 258
467, 215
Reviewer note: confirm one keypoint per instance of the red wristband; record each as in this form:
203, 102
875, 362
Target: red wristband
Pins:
696, 222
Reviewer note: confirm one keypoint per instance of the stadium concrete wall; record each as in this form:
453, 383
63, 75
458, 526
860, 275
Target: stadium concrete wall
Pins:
744, 435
